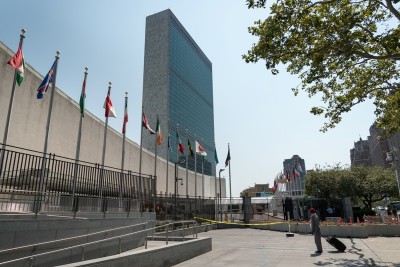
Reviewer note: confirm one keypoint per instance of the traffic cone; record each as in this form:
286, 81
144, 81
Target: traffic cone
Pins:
350, 221
341, 220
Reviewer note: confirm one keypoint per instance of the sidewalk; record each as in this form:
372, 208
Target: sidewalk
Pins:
252, 247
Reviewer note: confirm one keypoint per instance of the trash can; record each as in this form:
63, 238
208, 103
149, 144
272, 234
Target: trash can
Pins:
274, 212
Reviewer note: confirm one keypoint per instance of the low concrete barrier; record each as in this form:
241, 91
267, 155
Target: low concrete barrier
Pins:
344, 230
168, 255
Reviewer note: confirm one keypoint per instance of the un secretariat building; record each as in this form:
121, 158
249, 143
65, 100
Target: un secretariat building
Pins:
178, 84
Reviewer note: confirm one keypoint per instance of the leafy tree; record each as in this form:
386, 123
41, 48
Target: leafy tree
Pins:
361, 183
323, 183
342, 50
373, 184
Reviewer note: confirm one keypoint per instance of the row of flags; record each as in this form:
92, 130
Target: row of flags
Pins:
18, 63
287, 176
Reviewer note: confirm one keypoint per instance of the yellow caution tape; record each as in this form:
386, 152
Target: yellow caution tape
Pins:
232, 223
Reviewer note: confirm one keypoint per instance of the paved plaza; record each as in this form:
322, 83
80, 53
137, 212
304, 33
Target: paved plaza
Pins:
252, 247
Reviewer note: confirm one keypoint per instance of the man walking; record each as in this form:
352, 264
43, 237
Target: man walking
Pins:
316, 230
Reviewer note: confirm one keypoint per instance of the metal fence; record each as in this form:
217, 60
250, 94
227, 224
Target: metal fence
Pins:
33, 181
171, 208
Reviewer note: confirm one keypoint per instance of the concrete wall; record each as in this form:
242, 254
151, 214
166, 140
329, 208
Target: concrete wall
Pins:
28, 126
21, 230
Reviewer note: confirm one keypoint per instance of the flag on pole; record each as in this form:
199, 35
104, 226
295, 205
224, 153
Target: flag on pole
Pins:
169, 142
190, 147
18, 63
287, 173
108, 106
216, 156
228, 158
159, 133
46, 82
145, 124
299, 168
82, 99
295, 173
125, 117
200, 150
180, 146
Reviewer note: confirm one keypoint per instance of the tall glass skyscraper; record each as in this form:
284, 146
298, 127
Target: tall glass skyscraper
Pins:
177, 84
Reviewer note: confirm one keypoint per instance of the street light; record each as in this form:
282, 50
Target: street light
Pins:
176, 184
393, 157
220, 196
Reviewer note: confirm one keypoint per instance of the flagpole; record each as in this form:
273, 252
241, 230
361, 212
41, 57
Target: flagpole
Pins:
230, 187
300, 182
123, 150
169, 145
21, 40
104, 149
195, 176
155, 162
295, 184
53, 89
187, 169
187, 166
215, 185
140, 163
202, 176
78, 143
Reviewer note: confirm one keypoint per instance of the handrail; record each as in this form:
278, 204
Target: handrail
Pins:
32, 257
66, 239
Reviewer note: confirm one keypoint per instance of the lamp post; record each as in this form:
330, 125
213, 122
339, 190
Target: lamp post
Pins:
393, 156
220, 196
176, 185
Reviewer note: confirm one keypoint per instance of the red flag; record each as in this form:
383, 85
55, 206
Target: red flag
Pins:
199, 149
125, 116
17, 60
108, 106
145, 124
180, 146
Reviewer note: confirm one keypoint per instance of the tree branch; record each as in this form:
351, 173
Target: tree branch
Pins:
369, 56
392, 9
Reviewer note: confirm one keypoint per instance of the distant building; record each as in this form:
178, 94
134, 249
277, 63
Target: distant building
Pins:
360, 154
378, 147
259, 190
177, 82
372, 152
295, 168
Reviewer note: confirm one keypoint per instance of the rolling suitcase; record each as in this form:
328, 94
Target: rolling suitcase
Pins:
336, 243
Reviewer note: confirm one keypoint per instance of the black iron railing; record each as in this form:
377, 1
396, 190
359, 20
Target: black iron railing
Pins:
52, 177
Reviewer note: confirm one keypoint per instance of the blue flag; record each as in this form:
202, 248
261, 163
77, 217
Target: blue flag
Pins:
46, 82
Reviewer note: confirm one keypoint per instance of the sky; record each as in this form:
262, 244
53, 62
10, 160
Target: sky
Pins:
254, 111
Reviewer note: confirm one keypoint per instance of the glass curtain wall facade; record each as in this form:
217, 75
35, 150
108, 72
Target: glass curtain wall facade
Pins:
178, 84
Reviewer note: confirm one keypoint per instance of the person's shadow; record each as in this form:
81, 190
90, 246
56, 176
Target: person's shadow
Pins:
315, 254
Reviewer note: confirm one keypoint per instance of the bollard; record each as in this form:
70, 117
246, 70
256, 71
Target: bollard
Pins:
145, 241
32, 260
120, 245
195, 228
83, 253
166, 233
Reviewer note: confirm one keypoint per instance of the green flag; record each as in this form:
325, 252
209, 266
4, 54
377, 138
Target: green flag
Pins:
228, 158
83, 96
216, 156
